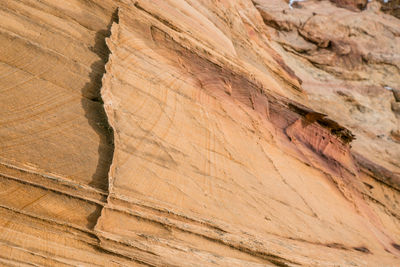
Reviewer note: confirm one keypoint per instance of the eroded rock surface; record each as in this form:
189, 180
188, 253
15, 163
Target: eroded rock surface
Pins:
349, 64
232, 133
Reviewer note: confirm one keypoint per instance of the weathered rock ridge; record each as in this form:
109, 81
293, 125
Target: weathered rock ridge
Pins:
199, 133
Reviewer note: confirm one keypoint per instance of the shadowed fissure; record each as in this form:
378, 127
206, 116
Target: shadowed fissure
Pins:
94, 108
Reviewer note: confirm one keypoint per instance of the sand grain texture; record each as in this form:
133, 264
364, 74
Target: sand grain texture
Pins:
184, 133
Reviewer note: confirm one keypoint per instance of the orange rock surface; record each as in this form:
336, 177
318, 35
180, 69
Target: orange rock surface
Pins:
199, 133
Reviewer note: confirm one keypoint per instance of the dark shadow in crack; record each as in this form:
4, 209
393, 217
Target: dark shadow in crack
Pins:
94, 217
92, 103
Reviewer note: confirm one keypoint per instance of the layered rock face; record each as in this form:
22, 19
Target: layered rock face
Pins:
349, 64
199, 133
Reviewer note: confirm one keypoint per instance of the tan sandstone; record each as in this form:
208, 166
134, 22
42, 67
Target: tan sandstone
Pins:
199, 133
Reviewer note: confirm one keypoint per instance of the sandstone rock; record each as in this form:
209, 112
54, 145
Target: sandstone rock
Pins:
351, 4
396, 108
395, 135
218, 143
391, 7
396, 94
348, 56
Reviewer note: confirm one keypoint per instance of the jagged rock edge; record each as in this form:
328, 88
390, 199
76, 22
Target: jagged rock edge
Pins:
109, 116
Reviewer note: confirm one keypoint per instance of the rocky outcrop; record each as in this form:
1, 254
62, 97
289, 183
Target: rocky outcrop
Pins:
197, 133
353, 5
391, 7
348, 62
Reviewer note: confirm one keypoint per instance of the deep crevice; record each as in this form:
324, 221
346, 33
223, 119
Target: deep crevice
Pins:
92, 103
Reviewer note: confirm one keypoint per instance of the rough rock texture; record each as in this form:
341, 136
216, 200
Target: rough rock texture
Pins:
353, 5
349, 63
391, 7
232, 133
